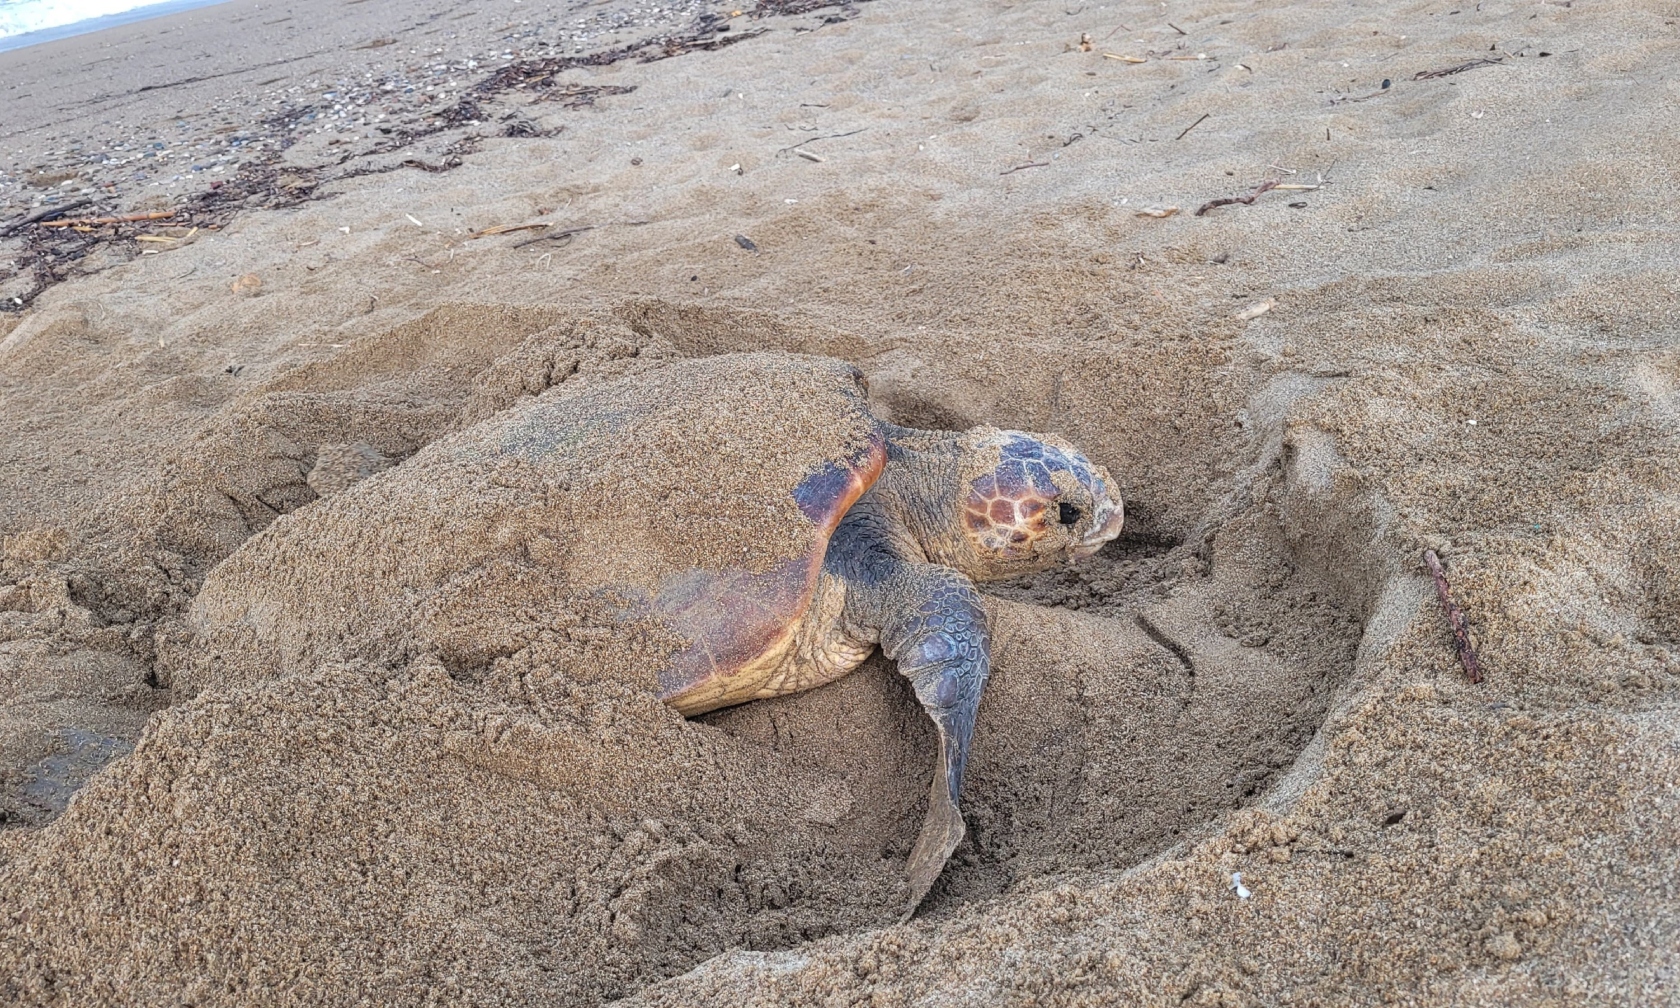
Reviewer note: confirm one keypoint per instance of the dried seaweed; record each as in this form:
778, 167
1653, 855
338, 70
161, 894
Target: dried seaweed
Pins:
49, 256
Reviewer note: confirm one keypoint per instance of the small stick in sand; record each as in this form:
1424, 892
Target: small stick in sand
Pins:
1458, 68
1029, 164
506, 228
43, 214
1192, 126
1456, 619
1266, 186
124, 219
807, 143
559, 236
1123, 58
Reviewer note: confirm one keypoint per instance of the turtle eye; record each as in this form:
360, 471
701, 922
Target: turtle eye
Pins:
1067, 514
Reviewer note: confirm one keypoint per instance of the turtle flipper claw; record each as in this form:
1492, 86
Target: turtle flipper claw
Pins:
941, 831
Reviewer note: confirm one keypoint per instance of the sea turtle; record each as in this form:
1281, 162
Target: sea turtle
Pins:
725, 529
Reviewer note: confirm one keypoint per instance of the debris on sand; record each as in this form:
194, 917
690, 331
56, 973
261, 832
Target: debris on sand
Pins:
45, 213
1458, 68
509, 228
120, 219
1264, 187
1456, 619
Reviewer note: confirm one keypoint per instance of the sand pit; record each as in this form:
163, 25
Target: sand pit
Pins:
1460, 340
1107, 735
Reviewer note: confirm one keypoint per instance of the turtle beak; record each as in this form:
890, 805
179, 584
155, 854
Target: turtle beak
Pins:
1105, 525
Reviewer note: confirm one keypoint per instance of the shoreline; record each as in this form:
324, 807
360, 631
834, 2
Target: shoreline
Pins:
23, 40
276, 106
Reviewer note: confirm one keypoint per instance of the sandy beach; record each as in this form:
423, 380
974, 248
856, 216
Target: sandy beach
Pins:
1323, 286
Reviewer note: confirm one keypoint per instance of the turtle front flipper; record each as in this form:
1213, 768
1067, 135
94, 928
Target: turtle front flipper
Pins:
938, 637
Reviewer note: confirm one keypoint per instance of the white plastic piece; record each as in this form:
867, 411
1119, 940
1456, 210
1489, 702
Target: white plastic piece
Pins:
1240, 889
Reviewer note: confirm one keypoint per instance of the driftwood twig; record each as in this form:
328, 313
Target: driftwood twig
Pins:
1266, 186
1458, 68
559, 236
1455, 618
121, 219
1192, 126
507, 228
812, 140
43, 214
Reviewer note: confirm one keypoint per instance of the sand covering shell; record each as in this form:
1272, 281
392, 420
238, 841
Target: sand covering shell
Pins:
550, 526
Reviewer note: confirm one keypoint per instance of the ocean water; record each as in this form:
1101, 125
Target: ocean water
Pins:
25, 22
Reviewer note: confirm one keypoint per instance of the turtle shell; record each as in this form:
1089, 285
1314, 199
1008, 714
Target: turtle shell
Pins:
668, 527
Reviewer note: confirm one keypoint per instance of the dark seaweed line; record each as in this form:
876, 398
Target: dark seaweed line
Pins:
49, 255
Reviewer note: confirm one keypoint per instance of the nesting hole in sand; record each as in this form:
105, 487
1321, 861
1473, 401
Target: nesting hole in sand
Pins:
1176, 675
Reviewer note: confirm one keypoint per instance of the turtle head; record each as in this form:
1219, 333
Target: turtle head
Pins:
1028, 502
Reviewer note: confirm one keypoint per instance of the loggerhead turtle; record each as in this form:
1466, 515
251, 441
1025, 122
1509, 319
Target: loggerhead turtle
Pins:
743, 526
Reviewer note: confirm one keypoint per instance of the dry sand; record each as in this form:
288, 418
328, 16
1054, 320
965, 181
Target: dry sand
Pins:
1469, 347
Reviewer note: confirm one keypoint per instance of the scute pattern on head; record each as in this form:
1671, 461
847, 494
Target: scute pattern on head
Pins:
1037, 484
